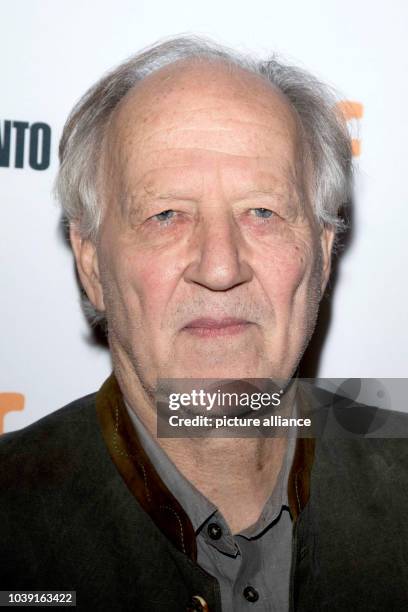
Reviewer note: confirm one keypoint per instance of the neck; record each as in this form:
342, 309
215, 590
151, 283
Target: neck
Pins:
236, 474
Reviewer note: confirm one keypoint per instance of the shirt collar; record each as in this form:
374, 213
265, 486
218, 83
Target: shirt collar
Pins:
145, 484
197, 506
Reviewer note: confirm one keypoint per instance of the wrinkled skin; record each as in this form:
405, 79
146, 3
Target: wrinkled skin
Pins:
207, 214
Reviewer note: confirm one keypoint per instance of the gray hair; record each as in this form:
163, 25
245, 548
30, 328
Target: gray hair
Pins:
324, 131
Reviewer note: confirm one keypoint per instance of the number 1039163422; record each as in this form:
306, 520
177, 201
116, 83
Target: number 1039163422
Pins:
34, 598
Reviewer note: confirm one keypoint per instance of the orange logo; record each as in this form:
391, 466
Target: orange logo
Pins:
352, 110
9, 402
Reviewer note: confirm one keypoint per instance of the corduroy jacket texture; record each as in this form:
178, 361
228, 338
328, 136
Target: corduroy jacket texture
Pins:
81, 509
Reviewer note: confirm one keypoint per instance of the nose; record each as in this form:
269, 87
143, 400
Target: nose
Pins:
218, 262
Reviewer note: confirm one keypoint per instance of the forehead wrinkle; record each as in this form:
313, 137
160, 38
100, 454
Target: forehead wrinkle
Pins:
214, 115
134, 132
135, 145
199, 162
283, 165
229, 126
158, 174
131, 135
138, 115
279, 191
137, 138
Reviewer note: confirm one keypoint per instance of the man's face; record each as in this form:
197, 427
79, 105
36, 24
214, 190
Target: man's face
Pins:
209, 262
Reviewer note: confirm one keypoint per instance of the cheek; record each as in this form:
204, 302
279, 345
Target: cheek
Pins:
146, 282
284, 270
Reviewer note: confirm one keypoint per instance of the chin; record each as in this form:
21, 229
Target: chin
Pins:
220, 370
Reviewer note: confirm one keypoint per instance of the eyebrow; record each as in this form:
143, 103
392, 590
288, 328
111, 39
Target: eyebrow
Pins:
141, 199
260, 193
290, 198
167, 194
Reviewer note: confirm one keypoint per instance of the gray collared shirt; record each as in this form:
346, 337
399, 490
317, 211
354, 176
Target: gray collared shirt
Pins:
253, 566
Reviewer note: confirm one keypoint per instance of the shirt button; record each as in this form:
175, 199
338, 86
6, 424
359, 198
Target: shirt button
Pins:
214, 531
251, 594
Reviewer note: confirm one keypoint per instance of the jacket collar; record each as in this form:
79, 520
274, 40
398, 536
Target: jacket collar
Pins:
154, 497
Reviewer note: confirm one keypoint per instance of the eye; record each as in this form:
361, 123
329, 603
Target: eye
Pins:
263, 213
165, 215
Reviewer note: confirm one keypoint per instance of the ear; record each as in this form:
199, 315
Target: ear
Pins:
326, 241
87, 264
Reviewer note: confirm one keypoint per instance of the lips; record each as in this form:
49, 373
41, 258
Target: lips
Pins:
210, 327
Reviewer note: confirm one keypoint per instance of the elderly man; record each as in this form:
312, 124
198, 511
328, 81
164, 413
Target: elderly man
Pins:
202, 192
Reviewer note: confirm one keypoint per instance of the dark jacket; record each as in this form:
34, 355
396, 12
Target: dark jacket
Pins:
83, 510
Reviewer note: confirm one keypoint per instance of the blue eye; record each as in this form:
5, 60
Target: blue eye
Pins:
166, 215
263, 213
